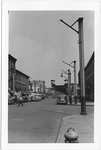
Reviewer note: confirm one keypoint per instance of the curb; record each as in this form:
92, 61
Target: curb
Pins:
79, 104
60, 137
61, 129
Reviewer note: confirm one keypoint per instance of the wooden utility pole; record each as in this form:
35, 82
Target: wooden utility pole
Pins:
81, 58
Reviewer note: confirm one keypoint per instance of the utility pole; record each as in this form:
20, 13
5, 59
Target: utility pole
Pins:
75, 91
81, 58
69, 85
82, 74
66, 79
35, 86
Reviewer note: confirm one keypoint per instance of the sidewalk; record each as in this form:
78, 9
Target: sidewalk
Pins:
83, 125
87, 104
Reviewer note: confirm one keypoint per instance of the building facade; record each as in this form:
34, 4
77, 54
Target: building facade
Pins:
11, 71
21, 82
89, 79
37, 86
17, 81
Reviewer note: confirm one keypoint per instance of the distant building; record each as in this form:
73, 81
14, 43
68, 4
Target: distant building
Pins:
37, 86
89, 79
21, 82
48, 90
11, 71
60, 88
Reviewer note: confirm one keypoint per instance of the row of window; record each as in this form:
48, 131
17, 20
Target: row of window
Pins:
89, 70
18, 77
22, 78
21, 86
11, 64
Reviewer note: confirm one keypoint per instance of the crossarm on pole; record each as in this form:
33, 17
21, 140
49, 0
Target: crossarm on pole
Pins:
68, 64
69, 26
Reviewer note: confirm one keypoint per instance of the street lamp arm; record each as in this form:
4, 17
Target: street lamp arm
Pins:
65, 78
74, 22
65, 72
69, 26
68, 64
71, 62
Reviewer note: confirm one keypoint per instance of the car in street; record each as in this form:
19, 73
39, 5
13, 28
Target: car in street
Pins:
11, 99
61, 99
37, 97
31, 96
43, 96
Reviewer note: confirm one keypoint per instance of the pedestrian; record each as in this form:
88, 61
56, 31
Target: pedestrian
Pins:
16, 99
20, 101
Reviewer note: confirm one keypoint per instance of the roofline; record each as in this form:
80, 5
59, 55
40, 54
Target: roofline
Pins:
10, 56
22, 73
92, 57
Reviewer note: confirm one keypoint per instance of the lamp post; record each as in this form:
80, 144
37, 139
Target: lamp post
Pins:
66, 79
81, 58
69, 83
75, 91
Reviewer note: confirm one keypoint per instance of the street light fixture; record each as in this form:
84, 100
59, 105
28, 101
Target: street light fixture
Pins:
75, 91
69, 83
66, 79
81, 57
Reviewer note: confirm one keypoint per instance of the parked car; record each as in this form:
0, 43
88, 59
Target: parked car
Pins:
10, 99
31, 96
43, 96
61, 99
37, 97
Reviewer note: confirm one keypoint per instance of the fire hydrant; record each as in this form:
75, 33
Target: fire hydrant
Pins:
71, 136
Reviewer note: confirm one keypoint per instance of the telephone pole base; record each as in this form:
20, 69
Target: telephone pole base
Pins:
83, 113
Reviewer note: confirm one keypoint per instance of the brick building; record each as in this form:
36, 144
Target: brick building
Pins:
89, 79
21, 82
17, 81
11, 71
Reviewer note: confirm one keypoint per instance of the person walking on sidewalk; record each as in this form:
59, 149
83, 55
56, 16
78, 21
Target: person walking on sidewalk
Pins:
20, 101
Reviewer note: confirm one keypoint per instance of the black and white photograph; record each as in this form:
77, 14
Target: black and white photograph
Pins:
51, 97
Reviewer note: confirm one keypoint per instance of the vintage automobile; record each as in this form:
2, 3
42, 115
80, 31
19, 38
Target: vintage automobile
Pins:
37, 97
43, 96
31, 96
11, 99
61, 99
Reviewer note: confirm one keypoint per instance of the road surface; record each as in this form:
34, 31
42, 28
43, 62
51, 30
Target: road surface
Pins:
38, 122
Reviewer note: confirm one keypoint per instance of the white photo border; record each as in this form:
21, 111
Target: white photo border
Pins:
60, 5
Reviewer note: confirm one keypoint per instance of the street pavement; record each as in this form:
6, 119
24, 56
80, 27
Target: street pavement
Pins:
40, 122
82, 124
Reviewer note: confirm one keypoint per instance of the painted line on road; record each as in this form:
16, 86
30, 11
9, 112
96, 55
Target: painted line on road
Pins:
25, 111
59, 111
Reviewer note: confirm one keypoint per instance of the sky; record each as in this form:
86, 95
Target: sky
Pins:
40, 42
